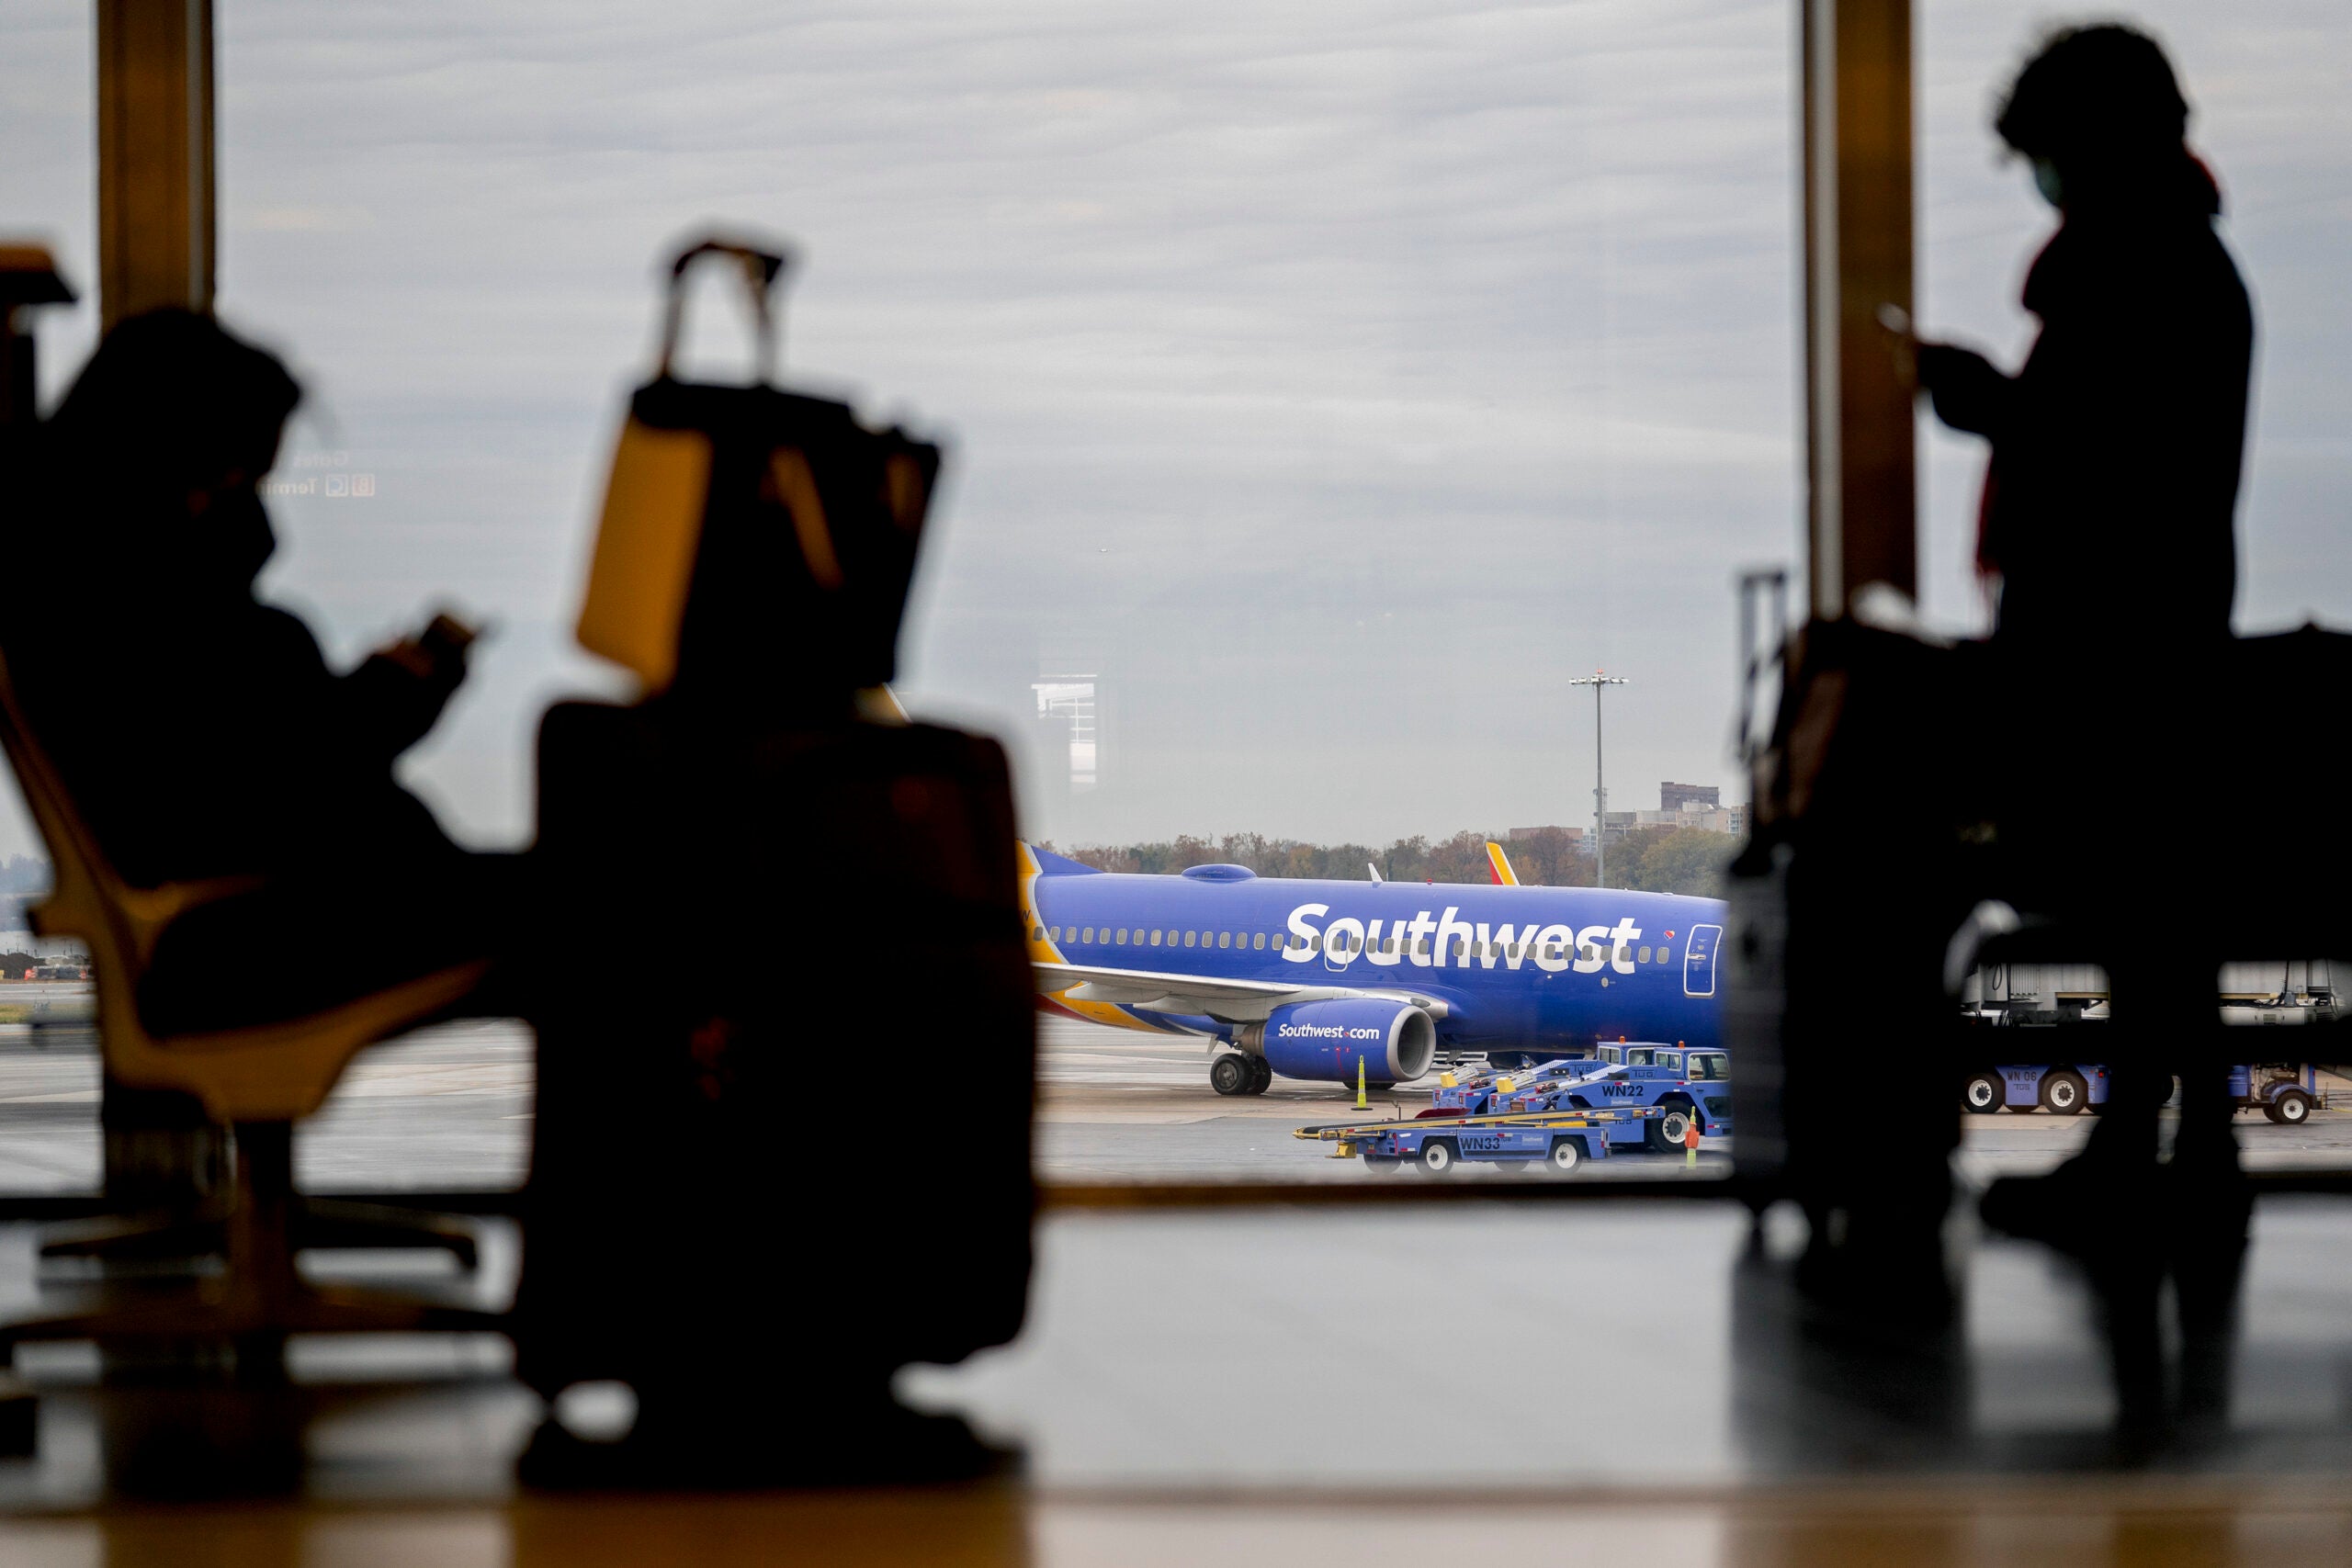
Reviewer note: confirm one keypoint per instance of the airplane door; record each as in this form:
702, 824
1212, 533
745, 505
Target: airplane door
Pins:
1699, 960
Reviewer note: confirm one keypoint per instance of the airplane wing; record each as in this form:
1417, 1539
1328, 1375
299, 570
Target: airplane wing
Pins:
1231, 1002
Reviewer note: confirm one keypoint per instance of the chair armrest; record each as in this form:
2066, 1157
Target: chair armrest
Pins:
142, 913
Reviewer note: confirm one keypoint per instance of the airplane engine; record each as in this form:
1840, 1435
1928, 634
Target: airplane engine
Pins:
1395, 1041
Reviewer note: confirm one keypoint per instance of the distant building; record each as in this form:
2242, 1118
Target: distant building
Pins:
1675, 797
1574, 835
1698, 808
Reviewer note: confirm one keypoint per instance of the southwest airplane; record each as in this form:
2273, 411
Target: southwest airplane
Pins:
1325, 979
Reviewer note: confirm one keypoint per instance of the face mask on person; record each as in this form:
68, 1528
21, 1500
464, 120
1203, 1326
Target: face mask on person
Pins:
2046, 181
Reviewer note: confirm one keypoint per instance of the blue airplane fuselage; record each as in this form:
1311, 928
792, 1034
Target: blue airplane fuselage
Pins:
1515, 967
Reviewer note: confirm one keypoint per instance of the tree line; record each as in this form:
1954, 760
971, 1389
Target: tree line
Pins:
1652, 860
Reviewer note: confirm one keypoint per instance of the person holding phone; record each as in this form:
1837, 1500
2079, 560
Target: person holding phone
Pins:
2109, 499
199, 729
2108, 523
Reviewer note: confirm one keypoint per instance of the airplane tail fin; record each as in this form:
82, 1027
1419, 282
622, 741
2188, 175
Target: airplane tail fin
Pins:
1499, 865
1049, 863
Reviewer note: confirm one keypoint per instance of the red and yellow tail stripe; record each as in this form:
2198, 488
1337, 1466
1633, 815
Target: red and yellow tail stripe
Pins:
1042, 950
1499, 865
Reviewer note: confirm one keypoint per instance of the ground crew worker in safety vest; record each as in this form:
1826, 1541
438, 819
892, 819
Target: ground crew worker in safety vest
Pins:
1690, 1142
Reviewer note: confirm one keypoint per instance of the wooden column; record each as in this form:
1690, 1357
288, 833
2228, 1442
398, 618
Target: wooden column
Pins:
1861, 508
156, 248
156, 235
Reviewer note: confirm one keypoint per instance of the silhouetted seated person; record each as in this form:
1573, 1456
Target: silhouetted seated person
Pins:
199, 731
2108, 519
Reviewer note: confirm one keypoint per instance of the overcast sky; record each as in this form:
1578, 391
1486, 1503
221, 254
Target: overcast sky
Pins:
1332, 381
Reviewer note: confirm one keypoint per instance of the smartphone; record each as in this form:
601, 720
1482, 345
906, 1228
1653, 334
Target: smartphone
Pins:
446, 631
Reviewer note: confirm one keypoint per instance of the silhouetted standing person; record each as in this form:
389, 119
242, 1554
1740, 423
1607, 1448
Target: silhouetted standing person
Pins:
2109, 520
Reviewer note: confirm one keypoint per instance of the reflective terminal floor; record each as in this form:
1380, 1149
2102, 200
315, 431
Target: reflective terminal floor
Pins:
1602, 1380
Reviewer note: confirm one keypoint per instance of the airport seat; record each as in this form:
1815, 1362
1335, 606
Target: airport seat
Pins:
255, 1080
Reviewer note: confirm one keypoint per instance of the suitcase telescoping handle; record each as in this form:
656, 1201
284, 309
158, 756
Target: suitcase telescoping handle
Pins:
759, 269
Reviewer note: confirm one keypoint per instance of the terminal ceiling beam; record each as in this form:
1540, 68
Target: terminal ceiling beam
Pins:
1861, 511
155, 231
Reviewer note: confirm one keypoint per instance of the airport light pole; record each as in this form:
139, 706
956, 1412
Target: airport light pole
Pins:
1600, 789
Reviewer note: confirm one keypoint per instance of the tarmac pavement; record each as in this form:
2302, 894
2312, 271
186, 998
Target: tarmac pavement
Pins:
451, 1108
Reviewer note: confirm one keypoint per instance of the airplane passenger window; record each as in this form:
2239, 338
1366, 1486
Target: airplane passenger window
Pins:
1123, 936
1260, 941
1225, 939
1643, 956
1090, 934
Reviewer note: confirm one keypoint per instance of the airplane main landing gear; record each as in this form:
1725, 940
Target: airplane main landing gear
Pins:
1236, 1072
